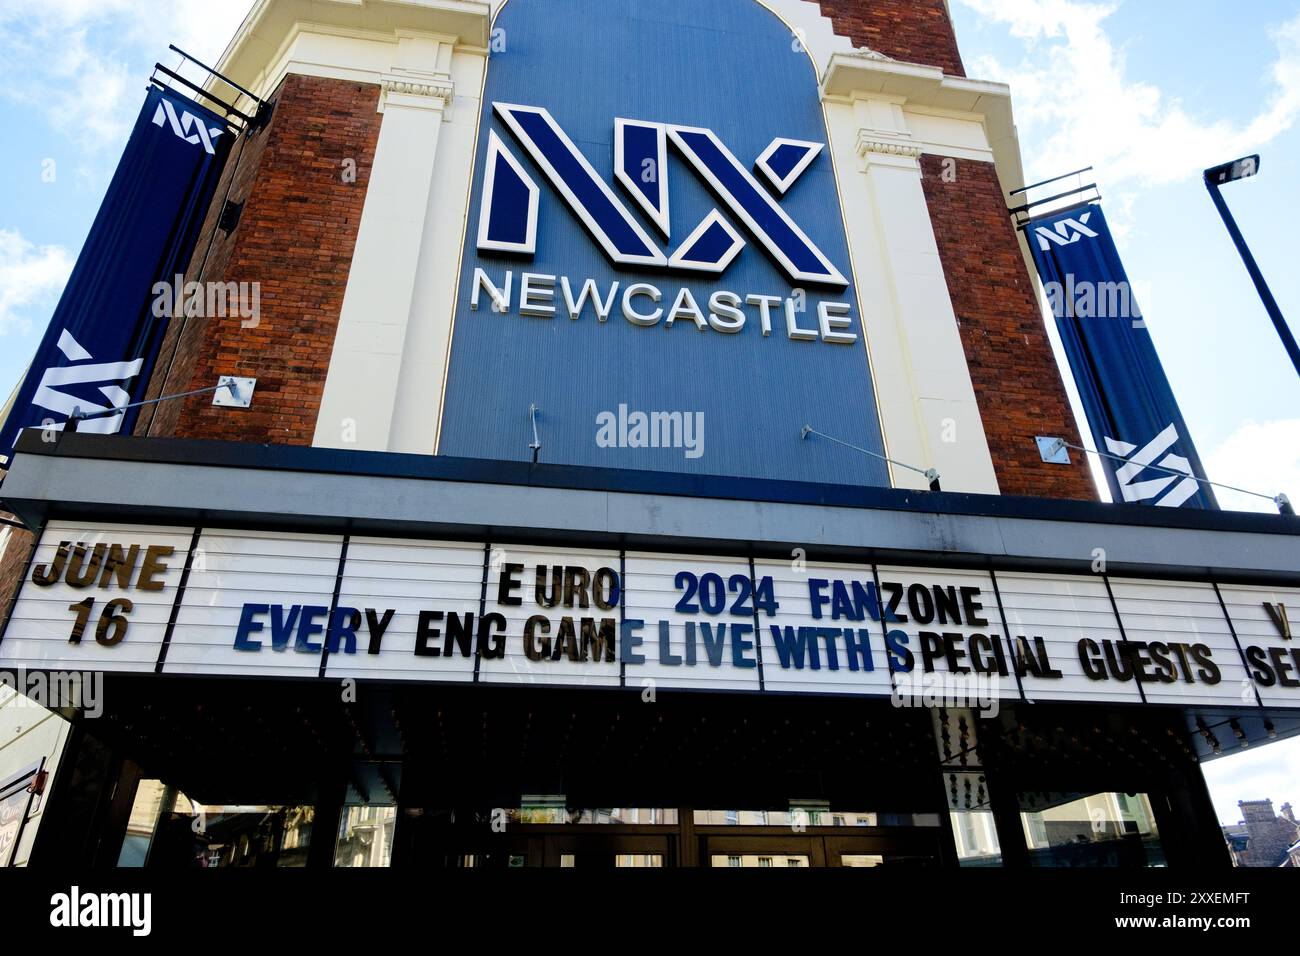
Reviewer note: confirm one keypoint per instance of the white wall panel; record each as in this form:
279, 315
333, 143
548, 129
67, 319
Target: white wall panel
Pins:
979, 618
408, 577
1260, 637
38, 635
515, 667
1064, 610
1189, 616
790, 580
237, 568
652, 595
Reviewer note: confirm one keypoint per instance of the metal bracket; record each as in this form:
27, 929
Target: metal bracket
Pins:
1053, 450
536, 446
231, 213
234, 392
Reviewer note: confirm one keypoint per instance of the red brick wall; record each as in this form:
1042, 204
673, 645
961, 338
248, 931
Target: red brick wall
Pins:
915, 31
296, 238
211, 257
13, 561
1017, 383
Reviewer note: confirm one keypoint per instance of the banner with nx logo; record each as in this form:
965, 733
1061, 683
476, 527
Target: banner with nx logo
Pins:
103, 339
1126, 396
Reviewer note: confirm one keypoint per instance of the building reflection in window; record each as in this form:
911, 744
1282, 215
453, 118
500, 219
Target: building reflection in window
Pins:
747, 861
1090, 830
798, 816
976, 837
167, 829
365, 837
560, 815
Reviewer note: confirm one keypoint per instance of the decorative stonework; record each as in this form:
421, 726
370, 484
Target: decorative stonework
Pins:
424, 92
442, 89
877, 142
869, 146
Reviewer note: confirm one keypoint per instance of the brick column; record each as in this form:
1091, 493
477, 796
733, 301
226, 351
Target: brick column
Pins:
1016, 379
15, 545
302, 181
914, 31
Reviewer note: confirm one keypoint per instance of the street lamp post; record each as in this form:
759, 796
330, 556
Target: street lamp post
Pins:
1229, 173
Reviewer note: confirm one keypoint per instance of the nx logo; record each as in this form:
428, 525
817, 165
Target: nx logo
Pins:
1175, 491
187, 126
49, 396
508, 220
1065, 232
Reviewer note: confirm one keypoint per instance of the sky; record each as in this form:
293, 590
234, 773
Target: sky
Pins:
1149, 92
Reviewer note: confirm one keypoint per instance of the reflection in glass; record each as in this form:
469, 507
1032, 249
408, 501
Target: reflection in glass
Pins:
812, 816
976, 837
1090, 830
565, 816
365, 837
745, 861
166, 829
629, 860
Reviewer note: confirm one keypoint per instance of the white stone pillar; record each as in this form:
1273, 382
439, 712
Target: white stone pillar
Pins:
361, 388
923, 386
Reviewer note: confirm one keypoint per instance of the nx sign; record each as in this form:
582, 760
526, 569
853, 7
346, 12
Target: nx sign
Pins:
511, 201
510, 197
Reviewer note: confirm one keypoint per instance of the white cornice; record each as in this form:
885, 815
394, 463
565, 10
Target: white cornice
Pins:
259, 44
859, 75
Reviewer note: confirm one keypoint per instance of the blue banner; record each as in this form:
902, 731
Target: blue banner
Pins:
103, 339
1126, 396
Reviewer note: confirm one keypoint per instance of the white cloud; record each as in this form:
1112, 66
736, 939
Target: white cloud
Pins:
1264, 772
86, 62
1077, 105
1262, 457
30, 276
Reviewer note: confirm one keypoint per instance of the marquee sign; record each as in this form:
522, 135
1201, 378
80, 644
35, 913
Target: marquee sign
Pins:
250, 603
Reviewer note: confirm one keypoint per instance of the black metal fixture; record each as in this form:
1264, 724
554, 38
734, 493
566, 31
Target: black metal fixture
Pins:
1247, 168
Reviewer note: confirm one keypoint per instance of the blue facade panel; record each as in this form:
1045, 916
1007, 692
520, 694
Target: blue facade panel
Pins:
729, 66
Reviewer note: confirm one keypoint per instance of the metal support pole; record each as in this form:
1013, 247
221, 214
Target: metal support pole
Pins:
1270, 303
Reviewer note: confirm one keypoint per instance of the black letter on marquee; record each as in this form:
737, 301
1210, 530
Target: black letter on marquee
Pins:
425, 633
377, 626
508, 584
43, 576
